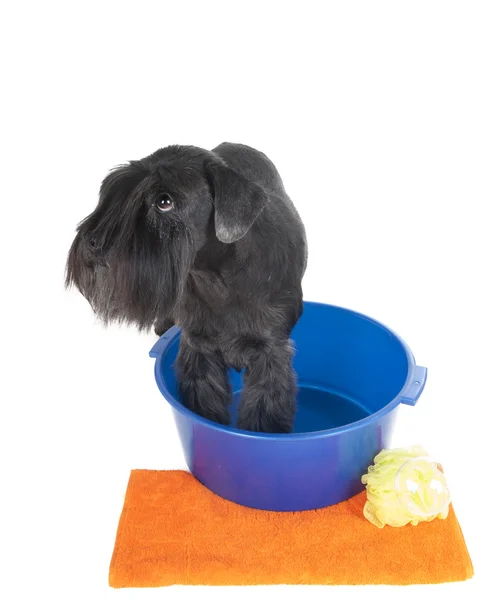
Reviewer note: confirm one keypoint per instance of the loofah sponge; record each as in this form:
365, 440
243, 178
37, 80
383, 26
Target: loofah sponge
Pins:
405, 486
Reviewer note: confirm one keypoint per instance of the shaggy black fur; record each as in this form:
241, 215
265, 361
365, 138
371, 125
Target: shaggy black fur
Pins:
209, 241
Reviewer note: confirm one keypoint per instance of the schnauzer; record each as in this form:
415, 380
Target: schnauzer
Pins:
211, 242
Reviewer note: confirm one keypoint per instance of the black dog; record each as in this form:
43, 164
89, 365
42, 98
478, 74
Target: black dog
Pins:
209, 241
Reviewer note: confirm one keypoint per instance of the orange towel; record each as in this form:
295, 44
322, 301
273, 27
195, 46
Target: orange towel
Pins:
174, 531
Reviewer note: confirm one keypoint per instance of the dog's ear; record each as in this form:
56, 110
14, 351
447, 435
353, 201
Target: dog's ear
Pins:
238, 202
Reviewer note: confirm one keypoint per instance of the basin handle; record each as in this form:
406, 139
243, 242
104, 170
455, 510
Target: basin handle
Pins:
414, 388
162, 342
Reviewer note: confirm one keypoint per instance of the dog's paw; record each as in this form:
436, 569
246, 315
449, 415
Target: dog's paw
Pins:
212, 408
260, 422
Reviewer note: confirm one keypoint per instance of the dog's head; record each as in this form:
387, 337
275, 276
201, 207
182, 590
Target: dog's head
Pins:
132, 255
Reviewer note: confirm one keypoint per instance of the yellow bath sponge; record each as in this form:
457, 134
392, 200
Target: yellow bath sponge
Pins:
405, 486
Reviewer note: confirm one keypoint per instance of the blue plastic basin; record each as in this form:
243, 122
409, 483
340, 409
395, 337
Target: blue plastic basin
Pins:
353, 373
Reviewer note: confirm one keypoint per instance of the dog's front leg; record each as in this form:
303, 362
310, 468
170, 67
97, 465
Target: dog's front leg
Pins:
203, 382
268, 399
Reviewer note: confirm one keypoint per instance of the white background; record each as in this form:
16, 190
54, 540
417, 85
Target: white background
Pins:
370, 112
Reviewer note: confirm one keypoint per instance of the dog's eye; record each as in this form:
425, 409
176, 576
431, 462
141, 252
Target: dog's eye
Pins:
164, 202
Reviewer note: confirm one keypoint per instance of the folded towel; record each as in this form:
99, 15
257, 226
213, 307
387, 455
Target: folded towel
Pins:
175, 531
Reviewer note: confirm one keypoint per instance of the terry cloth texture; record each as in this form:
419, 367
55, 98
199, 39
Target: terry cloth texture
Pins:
173, 530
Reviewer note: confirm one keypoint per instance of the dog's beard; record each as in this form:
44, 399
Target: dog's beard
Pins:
137, 282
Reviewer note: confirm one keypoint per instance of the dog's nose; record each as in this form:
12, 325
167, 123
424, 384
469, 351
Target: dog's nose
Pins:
96, 249
93, 242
